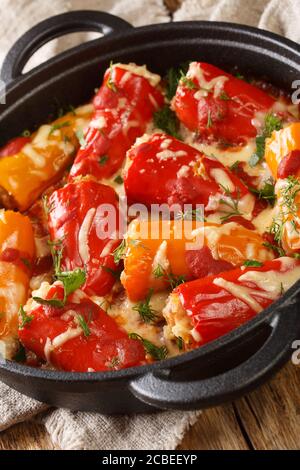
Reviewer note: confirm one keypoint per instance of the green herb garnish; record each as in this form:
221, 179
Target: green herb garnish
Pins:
166, 120
224, 96
267, 192
56, 249
103, 160
180, 343
72, 280
231, 203
47, 208
114, 363
58, 126
25, 319
56, 303
272, 123
120, 252
81, 139
235, 166
157, 353
20, 355
188, 82
191, 214
173, 77
118, 179
115, 274
110, 84
276, 248
83, 325
147, 313
209, 123
173, 280
252, 263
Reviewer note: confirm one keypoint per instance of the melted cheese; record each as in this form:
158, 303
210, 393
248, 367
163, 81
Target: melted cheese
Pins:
122, 311
217, 83
84, 233
161, 258
37, 159
183, 172
141, 70
212, 235
98, 123
167, 154
241, 292
273, 282
263, 221
221, 177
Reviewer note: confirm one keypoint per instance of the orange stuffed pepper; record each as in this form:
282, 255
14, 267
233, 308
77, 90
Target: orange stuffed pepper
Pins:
283, 152
40, 160
162, 254
16, 256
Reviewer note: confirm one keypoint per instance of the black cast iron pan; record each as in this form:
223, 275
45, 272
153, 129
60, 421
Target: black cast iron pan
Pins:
231, 365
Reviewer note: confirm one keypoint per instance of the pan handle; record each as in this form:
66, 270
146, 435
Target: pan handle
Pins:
32, 40
158, 391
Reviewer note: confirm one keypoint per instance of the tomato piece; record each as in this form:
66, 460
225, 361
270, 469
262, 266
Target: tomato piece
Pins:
124, 106
86, 235
219, 106
79, 337
14, 146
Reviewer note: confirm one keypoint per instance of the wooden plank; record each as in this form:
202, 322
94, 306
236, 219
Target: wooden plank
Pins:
271, 414
26, 436
216, 429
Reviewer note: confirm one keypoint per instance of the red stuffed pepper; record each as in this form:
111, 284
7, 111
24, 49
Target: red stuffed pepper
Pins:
83, 225
218, 105
203, 310
185, 176
124, 106
77, 337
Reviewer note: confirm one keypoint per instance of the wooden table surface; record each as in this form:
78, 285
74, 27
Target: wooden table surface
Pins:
268, 418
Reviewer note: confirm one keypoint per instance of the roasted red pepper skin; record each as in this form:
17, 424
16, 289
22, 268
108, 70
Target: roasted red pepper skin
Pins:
124, 107
105, 346
223, 114
14, 146
215, 311
289, 165
146, 167
70, 208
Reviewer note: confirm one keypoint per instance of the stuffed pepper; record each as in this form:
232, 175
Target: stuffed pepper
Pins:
282, 152
124, 106
28, 166
74, 333
186, 176
16, 257
218, 106
205, 309
83, 223
160, 254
